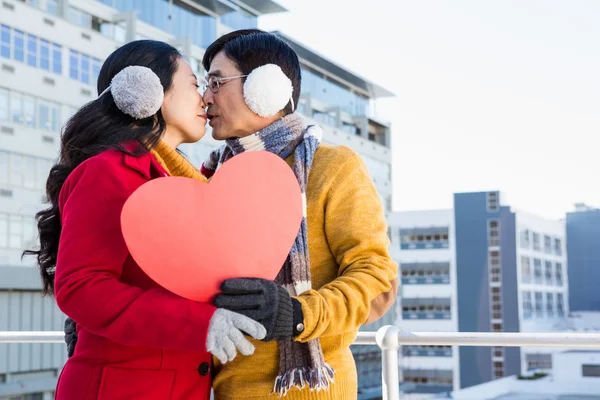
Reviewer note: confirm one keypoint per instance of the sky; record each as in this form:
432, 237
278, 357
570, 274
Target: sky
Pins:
490, 95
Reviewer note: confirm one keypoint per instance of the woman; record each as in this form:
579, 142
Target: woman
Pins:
136, 340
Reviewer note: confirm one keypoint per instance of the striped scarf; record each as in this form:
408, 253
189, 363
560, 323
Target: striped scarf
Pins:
300, 364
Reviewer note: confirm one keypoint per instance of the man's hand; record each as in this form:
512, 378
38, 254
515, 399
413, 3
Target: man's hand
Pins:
263, 301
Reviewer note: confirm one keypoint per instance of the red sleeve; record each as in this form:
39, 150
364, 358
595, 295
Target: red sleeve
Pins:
90, 259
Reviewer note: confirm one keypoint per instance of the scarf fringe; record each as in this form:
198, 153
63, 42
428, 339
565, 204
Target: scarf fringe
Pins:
316, 379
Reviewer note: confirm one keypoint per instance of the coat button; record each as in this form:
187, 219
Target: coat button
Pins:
204, 369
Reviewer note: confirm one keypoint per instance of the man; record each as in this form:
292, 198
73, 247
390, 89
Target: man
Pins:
339, 265
339, 274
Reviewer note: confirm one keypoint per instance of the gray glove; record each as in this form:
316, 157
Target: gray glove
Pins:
226, 333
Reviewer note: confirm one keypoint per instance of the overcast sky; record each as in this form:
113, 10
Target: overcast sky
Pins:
490, 94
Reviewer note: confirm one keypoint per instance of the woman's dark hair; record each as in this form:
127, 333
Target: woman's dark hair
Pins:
251, 48
98, 126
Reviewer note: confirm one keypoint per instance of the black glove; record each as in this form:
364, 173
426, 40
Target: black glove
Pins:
263, 301
70, 336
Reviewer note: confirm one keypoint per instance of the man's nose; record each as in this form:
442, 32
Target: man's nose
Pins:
208, 97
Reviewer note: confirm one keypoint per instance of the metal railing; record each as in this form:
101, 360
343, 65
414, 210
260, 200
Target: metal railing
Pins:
390, 339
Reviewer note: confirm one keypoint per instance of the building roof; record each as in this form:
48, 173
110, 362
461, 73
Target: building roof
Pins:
226, 6
318, 62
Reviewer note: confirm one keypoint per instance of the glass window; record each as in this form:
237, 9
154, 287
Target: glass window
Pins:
4, 109
557, 247
56, 58
52, 7
29, 111
16, 107
29, 233
527, 305
3, 230
559, 274
537, 270
55, 114
96, 66
525, 270
550, 304
525, 239
29, 172
3, 168
32, 44
85, 68
42, 171
560, 307
549, 274
539, 304
19, 53
16, 170
547, 244
73, 64
5, 41
536, 241
45, 54
15, 232
44, 115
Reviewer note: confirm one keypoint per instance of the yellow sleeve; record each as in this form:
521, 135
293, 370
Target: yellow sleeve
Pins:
356, 231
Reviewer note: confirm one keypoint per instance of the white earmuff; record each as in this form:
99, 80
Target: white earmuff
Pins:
268, 90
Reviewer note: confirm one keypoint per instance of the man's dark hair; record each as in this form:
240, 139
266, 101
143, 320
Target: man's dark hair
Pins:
251, 48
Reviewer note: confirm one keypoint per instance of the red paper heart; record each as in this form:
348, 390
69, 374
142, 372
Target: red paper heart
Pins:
189, 236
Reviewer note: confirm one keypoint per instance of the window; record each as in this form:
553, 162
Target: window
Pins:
56, 58
5, 41
42, 169
537, 271
557, 247
494, 232
525, 270
55, 114
498, 369
550, 304
494, 262
559, 274
29, 111
525, 243
52, 7
3, 231
16, 169
44, 115
560, 306
549, 274
4, 108
15, 232
424, 238
80, 18
590, 370
29, 172
96, 66
493, 202
496, 327
547, 244
45, 54
73, 64
19, 52
16, 107
32, 49
538, 361
3, 168
85, 69
536, 241
539, 304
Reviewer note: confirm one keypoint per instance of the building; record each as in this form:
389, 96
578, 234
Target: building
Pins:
479, 267
51, 52
583, 239
575, 376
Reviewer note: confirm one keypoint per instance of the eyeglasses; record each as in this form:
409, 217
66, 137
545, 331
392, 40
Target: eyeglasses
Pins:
213, 82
